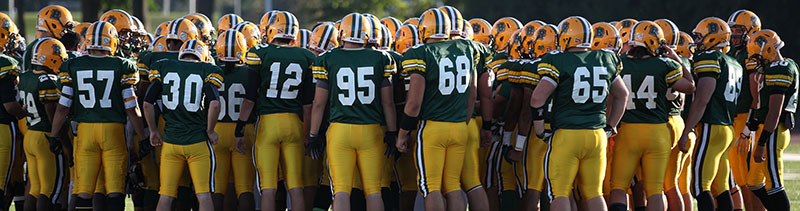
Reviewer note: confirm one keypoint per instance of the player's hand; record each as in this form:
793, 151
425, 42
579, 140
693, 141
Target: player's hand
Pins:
55, 144
145, 147
610, 131
213, 137
241, 145
155, 139
758, 154
546, 134
316, 147
670, 53
486, 138
390, 138
513, 156
402, 141
133, 156
682, 142
505, 150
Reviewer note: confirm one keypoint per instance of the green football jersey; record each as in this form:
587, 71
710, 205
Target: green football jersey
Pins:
494, 65
781, 77
503, 72
355, 78
582, 82
148, 59
648, 81
37, 88
528, 78
745, 98
721, 108
8, 74
98, 89
448, 68
482, 67
231, 94
286, 79
182, 98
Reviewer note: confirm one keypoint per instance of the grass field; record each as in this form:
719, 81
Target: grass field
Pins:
791, 179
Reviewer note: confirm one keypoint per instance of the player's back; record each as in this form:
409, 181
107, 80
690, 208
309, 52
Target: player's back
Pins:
721, 108
9, 70
284, 72
648, 80
96, 85
181, 96
355, 77
583, 80
36, 88
448, 68
146, 60
232, 93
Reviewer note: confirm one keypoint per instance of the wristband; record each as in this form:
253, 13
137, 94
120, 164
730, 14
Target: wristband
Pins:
408, 123
520, 144
239, 131
537, 113
487, 125
765, 135
507, 137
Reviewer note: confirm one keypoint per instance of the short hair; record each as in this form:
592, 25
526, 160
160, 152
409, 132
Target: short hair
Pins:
71, 40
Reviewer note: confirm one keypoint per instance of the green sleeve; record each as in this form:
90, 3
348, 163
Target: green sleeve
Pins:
673, 71
48, 90
414, 62
777, 79
130, 74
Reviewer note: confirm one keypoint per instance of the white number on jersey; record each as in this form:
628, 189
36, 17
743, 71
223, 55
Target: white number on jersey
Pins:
89, 99
448, 80
233, 105
347, 84
582, 90
191, 95
30, 106
286, 91
734, 85
646, 91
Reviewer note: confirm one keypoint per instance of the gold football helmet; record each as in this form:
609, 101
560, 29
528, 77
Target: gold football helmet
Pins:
8, 30
413, 21
685, 46
231, 46
482, 31
543, 41
354, 28
374, 26
324, 38
670, 31
162, 28
159, 44
710, 33
647, 34
196, 48
624, 28
228, 21
574, 31
606, 37
302, 38
746, 22
407, 37
182, 29
434, 24
456, 20
250, 32
387, 41
515, 45
282, 25
102, 36
468, 34
764, 46
49, 53
502, 30
392, 24
121, 20
55, 19
204, 28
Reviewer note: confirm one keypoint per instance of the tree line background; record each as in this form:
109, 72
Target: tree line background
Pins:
779, 15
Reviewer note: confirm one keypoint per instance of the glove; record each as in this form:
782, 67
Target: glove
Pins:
497, 131
609, 131
55, 144
316, 147
390, 138
752, 122
505, 149
145, 147
545, 135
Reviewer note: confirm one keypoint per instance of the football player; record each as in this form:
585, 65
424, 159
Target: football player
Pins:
584, 85
685, 48
355, 113
53, 21
624, 28
10, 112
11, 42
441, 86
510, 183
535, 46
183, 85
648, 77
234, 159
744, 24
39, 92
205, 30
406, 38
712, 112
280, 82
479, 130
228, 21
778, 103
103, 84
127, 30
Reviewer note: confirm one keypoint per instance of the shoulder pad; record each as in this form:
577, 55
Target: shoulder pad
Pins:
606, 50
534, 61
665, 59
418, 45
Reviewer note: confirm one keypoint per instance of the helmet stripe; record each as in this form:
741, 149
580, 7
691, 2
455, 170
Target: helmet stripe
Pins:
288, 23
587, 29
36, 49
326, 33
732, 19
98, 30
438, 18
633, 31
356, 28
414, 34
230, 42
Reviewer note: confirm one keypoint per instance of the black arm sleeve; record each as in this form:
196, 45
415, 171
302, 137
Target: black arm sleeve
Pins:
308, 91
153, 92
251, 88
211, 92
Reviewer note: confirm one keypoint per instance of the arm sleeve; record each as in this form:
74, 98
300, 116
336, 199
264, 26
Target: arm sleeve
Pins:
48, 92
141, 65
211, 92
66, 85
307, 88
129, 80
251, 87
674, 72
706, 66
548, 72
413, 63
153, 92
777, 80
528, 78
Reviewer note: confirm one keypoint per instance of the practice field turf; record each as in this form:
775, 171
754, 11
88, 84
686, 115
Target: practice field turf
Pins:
791, 174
